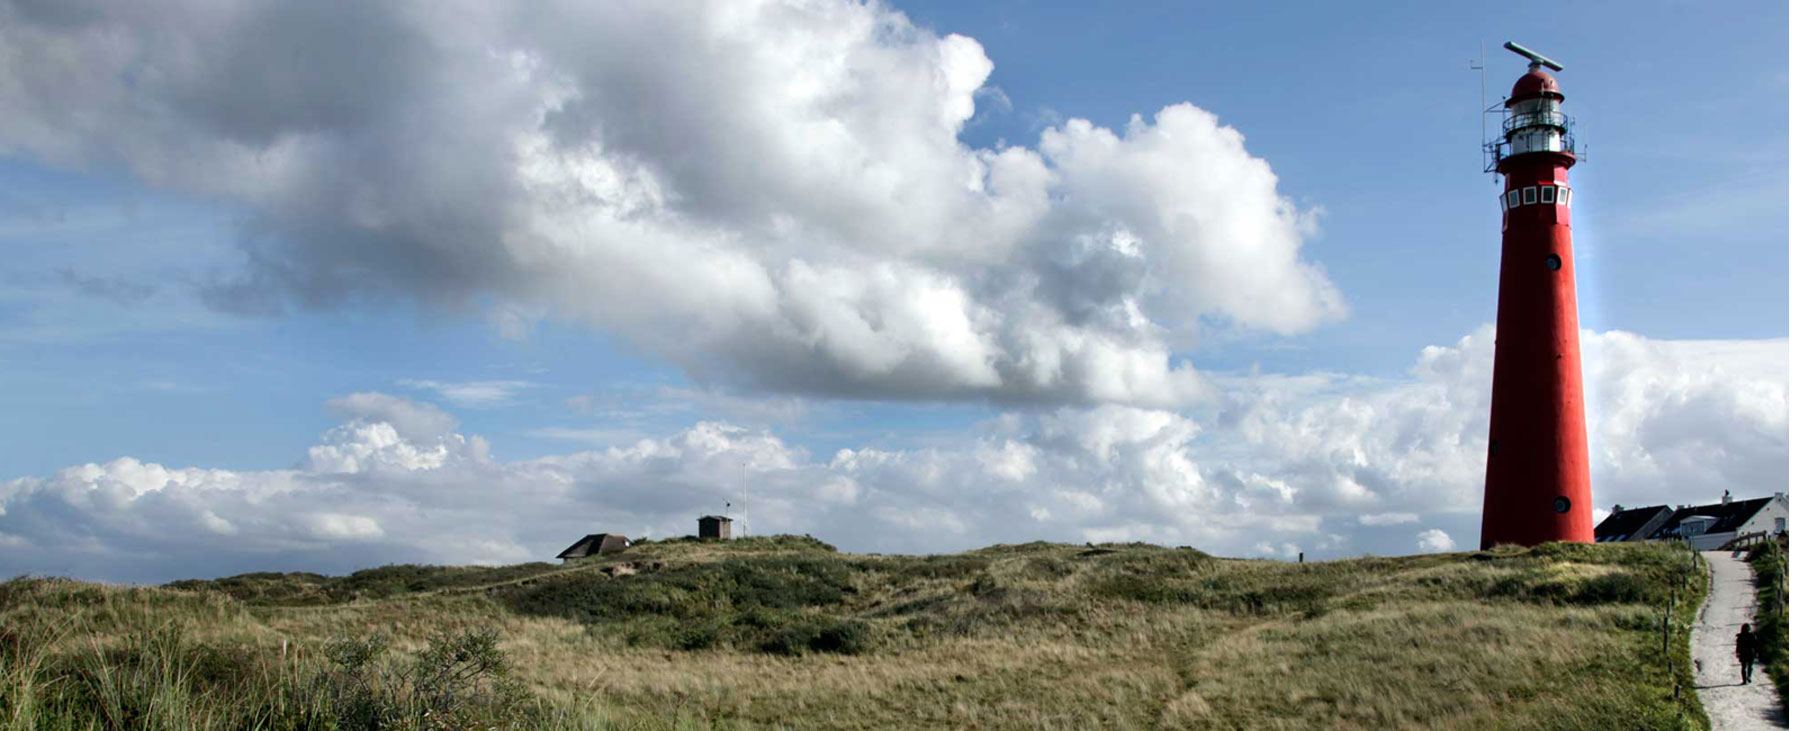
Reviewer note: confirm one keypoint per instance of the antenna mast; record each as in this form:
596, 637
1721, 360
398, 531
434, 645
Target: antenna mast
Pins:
1482, 67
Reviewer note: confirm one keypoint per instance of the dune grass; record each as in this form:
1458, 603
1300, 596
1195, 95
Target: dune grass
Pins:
1769, 561
784, 632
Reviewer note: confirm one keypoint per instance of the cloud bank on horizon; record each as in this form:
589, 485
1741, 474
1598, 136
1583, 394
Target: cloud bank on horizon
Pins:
772, 195
1316, 463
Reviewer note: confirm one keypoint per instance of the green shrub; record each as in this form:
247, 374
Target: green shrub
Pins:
1164, 562
464, 675
699, 636
1560, 551
383, 582
1267, 592
1557, 573
695, 591
752, 602
1308, 598
298, 588
1769, 561
939, 567
1617, 587
842, 636
778, 542
1149, 589
1048, 567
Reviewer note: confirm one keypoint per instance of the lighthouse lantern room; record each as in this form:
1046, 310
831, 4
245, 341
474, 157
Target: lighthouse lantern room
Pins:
1537, 459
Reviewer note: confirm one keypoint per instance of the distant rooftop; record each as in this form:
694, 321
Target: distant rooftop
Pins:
1728, 516
1626, 525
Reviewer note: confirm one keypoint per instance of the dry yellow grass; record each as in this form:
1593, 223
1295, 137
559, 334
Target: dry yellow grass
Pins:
1027, 637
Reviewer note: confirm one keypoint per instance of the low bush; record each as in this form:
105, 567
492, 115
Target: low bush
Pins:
750, 603
694, 591
699, 636
842, 636
383, 582
264, 587
1048, 568
745, 544
1556, 584
1149, 589
1617, 587
1270, 591
1163, 563
937, 567
1769, 561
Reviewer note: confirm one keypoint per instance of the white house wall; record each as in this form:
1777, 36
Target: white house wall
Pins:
1710, 541
1764, 520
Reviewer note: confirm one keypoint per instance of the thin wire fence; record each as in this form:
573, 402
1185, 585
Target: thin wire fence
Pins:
1671, 624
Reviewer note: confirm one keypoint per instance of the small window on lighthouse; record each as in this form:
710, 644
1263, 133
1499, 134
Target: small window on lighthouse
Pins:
1553, 261
1562, 196
1547, 194
1512, 198
1531, 196
1561, 504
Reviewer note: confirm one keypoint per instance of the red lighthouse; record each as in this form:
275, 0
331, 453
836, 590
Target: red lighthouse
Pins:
1537, 467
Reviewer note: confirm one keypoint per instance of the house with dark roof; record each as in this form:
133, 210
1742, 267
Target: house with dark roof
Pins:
1636, 524
1710, 526
595, 544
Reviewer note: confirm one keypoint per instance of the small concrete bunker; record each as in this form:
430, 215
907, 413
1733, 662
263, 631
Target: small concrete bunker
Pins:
715, 526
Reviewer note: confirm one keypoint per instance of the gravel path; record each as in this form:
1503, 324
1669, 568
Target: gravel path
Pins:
1731, 603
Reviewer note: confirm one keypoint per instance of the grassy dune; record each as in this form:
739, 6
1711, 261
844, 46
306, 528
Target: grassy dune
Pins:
1769, 562
785, 632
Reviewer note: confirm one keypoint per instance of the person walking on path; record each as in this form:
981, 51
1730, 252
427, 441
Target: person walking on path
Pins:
1731, 704
1746, 652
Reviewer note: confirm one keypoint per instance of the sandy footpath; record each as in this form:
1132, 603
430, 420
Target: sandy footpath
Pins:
1731, 603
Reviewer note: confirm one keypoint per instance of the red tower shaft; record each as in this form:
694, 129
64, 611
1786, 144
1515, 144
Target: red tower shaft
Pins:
1537, 469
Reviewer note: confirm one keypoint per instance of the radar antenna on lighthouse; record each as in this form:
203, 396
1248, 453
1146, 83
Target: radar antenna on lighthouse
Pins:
1536, 59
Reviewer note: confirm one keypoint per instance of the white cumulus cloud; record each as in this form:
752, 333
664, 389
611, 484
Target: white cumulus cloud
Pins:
1330, 465
367, 495
1436, 541
766, 193
415, 421
470, 393
1388, 518
1667, 420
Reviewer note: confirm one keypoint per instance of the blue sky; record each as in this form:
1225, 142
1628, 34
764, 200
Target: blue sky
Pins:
140, 315
1367, 112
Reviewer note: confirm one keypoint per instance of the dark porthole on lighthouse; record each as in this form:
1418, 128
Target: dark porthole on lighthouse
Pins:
1561, 504
1553, 261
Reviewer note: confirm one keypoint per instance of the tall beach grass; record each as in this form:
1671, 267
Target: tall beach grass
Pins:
785, 632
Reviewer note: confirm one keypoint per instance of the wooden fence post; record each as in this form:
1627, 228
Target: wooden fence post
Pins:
1667, 611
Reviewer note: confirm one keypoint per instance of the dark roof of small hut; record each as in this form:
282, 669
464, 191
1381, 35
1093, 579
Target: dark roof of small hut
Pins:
594, 543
